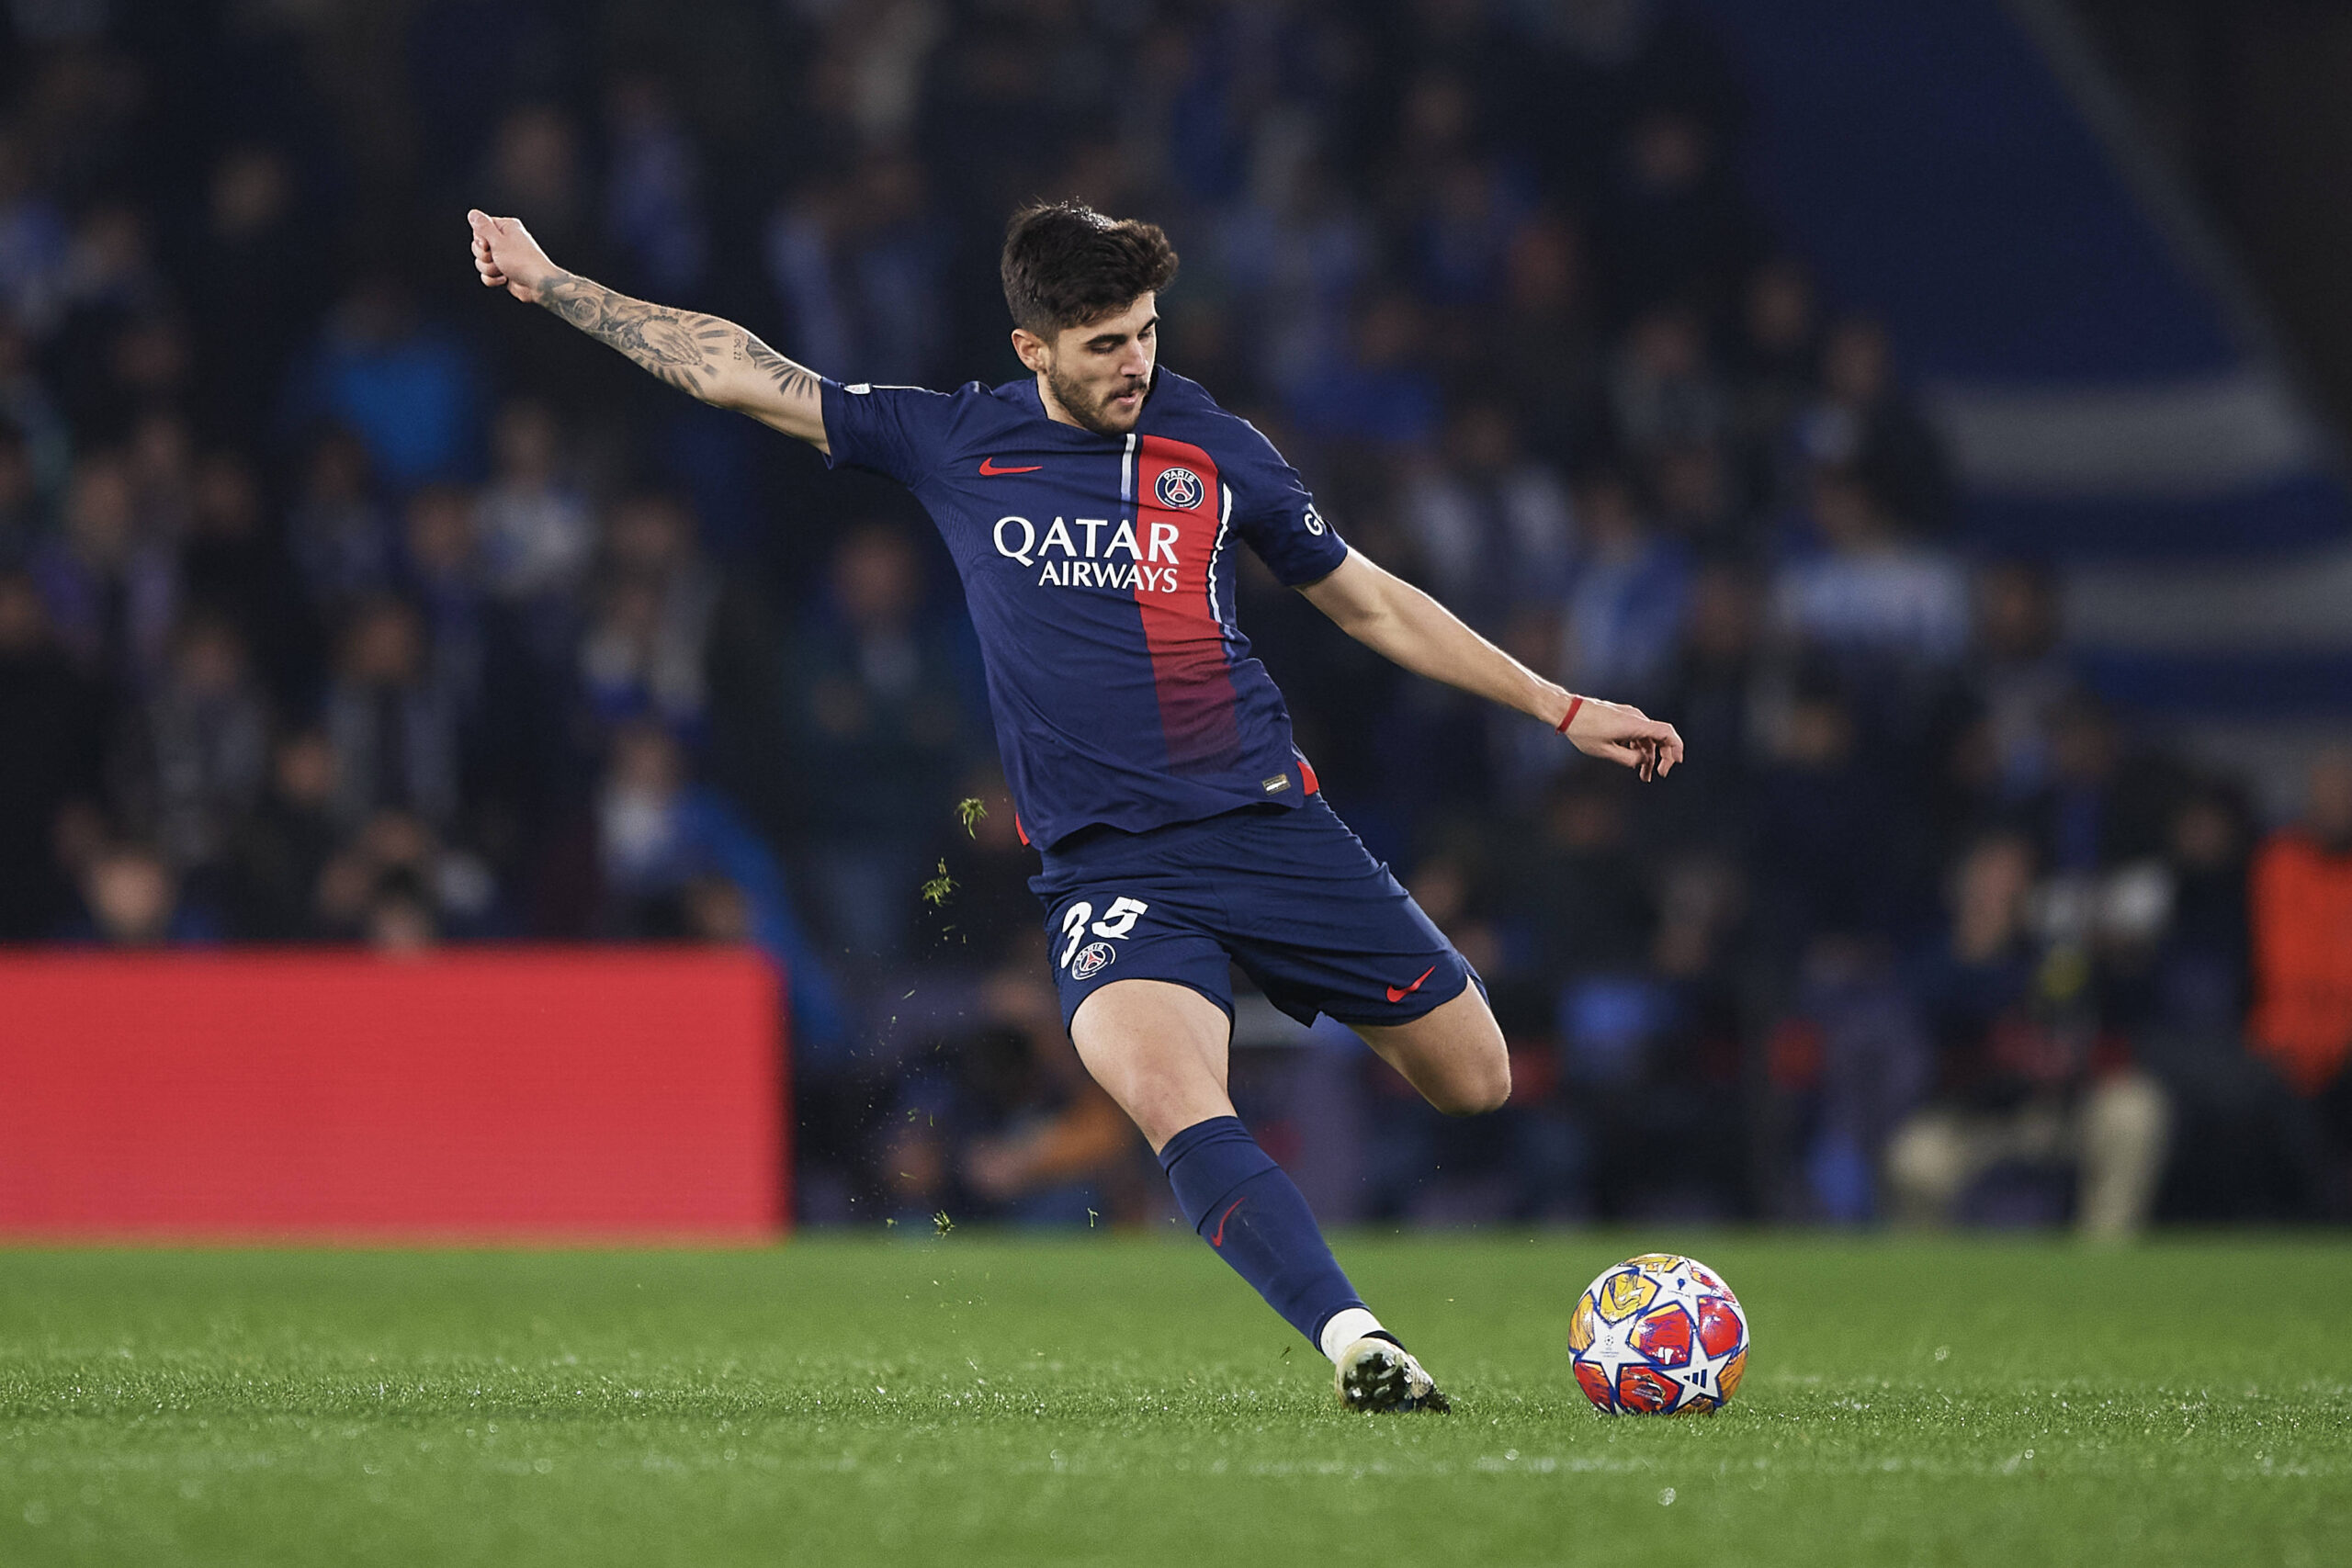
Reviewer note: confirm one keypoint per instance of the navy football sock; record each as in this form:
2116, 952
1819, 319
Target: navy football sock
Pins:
1241, 1204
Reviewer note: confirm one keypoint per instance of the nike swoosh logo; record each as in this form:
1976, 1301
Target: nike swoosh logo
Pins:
1218, 1240
1398, 996
989, 467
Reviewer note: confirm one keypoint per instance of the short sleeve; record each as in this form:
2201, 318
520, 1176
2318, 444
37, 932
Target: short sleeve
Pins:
1274, 512
896, 431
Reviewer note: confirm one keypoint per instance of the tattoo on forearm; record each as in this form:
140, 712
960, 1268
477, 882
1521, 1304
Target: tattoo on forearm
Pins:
792, 380
686, 348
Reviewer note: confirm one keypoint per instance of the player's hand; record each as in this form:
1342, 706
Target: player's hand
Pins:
1625, 735
507, 257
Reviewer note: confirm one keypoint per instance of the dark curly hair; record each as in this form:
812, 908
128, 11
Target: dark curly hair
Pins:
1066, 264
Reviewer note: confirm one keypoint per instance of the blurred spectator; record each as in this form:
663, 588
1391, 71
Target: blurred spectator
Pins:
33, 240
441, 573
1673, 225
654, 217
151, 360
1823, 826
111, 286
1492, 523
2103, 807
1867, 594
1436, 129
393, 729
1463, 233
1644, 1041
1629, 598
1715, 689
2026, 1081
1294, 254
54, 731
651, 834
882, 736
131, 899
1542, 350
2203, 962
254, 237
21, 513
1380, 392
1579, 888
340, 538
538, 535
1853, 1038
282, 851
409, 389
2302, 913
111, 593
189, 762
2022, 680
1017, 1130
162, 454
233, 564
395, 860
2168, 931
30, 409
1663, 391
2242, 1144
1698, 502
400, 918
1774, 357
1862, 421
857, 264
534, 171
643, 654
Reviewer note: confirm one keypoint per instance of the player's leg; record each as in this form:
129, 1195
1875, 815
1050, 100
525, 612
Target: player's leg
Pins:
1454, 1053
1160, 1049
1329, 930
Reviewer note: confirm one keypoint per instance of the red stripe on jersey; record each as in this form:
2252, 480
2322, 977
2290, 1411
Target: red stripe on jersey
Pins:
1306, 777
1179, 517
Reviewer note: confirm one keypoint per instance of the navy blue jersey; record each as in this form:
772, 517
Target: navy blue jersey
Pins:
1100, 573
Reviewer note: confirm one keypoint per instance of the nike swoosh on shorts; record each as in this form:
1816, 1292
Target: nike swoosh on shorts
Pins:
1395, 995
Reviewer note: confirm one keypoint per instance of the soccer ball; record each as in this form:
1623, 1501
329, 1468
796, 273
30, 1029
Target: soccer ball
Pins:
1658, 1335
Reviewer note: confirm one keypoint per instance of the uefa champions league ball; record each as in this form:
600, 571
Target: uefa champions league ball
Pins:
1658, 1335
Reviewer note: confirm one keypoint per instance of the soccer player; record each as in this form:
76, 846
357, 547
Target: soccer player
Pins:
1092, 510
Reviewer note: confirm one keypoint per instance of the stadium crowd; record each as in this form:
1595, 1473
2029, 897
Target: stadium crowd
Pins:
343, 602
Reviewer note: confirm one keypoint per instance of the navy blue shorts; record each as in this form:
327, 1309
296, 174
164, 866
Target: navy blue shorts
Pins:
1289, 894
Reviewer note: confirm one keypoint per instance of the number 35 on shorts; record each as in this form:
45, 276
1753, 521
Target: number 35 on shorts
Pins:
1117, 920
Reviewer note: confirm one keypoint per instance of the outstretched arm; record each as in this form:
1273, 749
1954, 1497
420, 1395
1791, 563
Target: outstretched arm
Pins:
714, 360
1396, 619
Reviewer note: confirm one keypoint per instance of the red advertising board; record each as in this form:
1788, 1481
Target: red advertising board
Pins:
524, 1094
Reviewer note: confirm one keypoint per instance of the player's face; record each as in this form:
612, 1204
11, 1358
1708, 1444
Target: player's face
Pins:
1101, 373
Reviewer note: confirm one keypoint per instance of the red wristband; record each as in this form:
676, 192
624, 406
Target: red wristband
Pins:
1573, 704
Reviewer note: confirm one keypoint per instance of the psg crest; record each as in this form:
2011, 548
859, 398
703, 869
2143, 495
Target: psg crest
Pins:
1180, 488
1093, 959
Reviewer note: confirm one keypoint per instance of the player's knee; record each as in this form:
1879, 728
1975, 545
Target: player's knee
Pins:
1486, 1087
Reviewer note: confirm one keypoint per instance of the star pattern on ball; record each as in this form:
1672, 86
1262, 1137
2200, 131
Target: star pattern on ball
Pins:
1701, 1377
1684, 1289
1611, 1349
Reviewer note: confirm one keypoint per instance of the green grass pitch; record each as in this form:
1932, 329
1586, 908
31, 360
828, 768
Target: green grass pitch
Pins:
979, 1399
